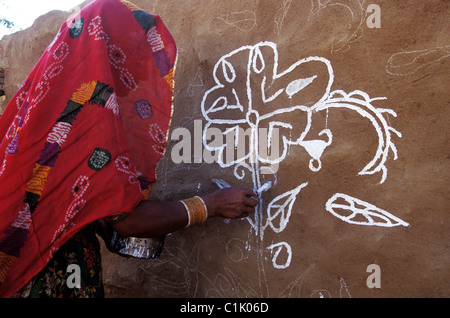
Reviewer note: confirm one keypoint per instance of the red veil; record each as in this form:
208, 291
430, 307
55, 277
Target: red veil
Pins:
81, 138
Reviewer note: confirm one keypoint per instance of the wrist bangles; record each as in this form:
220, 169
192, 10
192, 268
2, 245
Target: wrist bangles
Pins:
196, 210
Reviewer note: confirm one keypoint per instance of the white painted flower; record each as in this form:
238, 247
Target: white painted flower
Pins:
265, 117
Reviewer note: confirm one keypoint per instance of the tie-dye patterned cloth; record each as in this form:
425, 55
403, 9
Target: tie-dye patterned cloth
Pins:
81, 138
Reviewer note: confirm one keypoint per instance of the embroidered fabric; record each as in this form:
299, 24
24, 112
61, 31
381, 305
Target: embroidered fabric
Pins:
81, 138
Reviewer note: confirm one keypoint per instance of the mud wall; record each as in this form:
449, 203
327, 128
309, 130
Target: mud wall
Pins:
356, 95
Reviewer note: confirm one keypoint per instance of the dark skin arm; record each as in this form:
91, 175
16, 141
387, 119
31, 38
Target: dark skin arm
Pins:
157, 218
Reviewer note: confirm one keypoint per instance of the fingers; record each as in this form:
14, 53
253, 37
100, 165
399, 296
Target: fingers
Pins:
243, 215
232, 202
246, 212
249, 192
249, 202
249, 197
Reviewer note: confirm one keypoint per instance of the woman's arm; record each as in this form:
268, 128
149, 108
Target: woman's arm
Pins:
157, 218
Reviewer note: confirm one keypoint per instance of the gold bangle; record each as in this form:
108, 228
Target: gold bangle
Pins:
196, 210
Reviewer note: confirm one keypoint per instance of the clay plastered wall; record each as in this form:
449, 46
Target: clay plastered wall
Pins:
362, 115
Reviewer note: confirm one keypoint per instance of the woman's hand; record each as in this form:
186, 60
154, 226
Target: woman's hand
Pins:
156, 218
231, 203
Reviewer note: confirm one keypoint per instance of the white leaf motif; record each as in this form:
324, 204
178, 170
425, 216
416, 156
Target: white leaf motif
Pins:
360, 212
281, 207
296, 86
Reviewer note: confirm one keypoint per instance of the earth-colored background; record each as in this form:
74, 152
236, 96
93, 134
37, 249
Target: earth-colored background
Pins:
406, 60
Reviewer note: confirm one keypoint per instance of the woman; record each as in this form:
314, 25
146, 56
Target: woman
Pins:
80, 142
